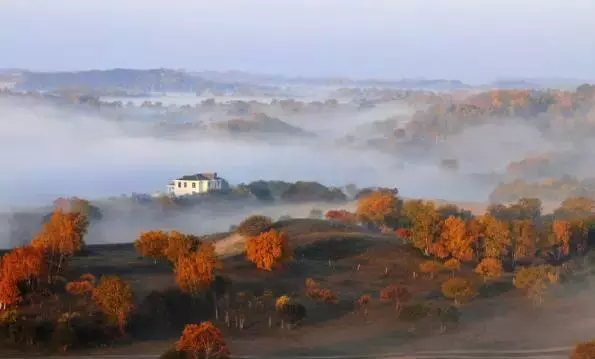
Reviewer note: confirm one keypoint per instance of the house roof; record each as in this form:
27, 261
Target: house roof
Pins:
199, 177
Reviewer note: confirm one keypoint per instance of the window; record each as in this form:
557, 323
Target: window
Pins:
193, 185
185, 183
179, 184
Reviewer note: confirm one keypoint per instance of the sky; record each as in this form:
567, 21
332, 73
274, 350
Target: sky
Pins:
470, 40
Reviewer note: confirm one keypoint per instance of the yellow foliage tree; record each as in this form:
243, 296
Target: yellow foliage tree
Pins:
459, 289
114, 297
489, 268
152, 244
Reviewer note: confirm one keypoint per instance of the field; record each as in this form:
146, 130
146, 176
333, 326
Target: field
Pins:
498, 324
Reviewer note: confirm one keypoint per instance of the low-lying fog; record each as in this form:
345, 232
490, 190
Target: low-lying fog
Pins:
49, 152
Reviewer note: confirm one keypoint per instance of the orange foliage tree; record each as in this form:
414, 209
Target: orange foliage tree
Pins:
459, 289
398, 294
489, 268
341, 215
61, 237
584, 350
269, 249
179, 245
9, 293
152, 244
381, 208
562, 235
23, 264
196, 271
453, 265
203, 340
79, 287
114, 297
455, 240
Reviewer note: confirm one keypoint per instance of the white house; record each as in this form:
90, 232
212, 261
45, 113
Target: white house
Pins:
195, 184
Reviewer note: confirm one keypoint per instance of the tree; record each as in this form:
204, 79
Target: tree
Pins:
180, 245
459, 289
398, 294
489, 268
203, 340
196, 272
455, 240
496, 236
381, 208
533, 280
254, 225
453, 265
9, 293
269, 249
23, 264
584, 350
61, 238
562, 235
152, 244
342, 216
524, 240
430, 267
426, 224
114, 297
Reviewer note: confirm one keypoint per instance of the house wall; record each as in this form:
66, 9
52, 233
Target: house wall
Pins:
182, 188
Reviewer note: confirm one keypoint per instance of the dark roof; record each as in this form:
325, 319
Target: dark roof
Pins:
199, 177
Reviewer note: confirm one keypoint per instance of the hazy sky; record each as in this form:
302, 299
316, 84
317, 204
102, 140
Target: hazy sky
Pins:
472, 40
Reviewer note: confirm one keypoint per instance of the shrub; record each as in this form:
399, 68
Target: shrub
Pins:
254, 225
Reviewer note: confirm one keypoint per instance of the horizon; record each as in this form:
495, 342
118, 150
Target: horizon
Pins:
383, 39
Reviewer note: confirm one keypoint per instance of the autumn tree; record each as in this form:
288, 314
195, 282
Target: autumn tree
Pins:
61, 238
23, 265
459, 289
534, 280
196, 271
203, 340
10, 294
381, 208
454, 240
524, 240
180, 244
254, 225
562, 235
269, 249
342, 216
430, 267
398, 294
114, 297
489, 268
79, 287
496, 236
453, 265
152, 244
584, 350
426, 224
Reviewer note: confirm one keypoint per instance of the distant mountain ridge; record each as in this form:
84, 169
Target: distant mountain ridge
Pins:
169, 80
